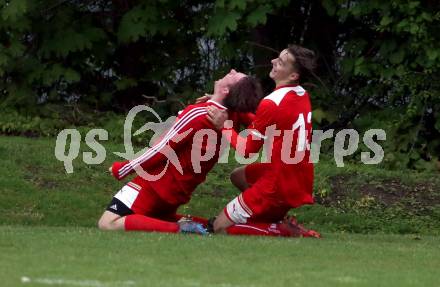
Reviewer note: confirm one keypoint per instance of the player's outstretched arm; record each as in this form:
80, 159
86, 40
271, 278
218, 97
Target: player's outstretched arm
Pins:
116, 167
177, 136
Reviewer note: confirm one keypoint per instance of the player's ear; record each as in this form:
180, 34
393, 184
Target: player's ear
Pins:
225, 91
294, 77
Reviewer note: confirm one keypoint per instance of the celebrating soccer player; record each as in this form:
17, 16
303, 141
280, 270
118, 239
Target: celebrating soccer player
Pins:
270, 189
170, 170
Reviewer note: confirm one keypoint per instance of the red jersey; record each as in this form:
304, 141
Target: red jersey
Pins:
287, 113
196, 152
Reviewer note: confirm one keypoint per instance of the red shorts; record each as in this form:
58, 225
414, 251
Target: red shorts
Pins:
139, 197
260, 202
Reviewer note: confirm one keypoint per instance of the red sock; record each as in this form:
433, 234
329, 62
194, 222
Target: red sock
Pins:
137, 222
265, 229
197, 219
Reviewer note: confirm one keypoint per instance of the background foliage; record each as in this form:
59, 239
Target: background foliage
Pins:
63, 61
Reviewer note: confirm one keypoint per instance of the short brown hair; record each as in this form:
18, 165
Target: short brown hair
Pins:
245, 95
305, 61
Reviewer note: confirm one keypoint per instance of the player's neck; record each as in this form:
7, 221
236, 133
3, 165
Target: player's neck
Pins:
282, 83
218, 98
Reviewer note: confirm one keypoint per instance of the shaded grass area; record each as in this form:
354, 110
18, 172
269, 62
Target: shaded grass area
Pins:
36, 190
150, 259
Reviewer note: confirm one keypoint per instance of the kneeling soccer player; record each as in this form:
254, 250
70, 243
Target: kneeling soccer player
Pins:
270, 190
150, 204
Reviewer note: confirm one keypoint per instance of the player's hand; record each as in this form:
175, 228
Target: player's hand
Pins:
217, 117
116, 167
203, 99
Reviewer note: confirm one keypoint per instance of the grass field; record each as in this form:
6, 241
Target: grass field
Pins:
87, 257
381, 228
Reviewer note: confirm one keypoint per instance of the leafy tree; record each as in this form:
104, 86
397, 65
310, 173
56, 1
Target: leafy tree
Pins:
378, 59
389, 59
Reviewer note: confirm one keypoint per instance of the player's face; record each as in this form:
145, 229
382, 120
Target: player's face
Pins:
282, 68
222, 86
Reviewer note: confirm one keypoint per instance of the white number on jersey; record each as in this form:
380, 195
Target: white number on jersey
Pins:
300, 124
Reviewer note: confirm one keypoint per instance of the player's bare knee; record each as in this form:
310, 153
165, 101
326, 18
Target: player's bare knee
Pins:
110, 221
218, 228
105, 224
221, 223
220, 231
238, 179
233, 177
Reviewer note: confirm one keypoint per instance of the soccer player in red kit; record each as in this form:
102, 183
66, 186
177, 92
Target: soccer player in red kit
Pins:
149, 202
271, 189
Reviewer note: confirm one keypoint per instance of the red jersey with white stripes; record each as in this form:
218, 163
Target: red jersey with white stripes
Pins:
284, 119
193, 141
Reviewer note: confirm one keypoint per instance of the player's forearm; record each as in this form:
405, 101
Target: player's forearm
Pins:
245, 146
146, 161
117, 168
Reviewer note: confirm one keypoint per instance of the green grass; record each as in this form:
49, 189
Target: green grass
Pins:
47, 232
79, 254
36, 190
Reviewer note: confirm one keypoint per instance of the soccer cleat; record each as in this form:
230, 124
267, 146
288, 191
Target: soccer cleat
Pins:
298, 230
186, 225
